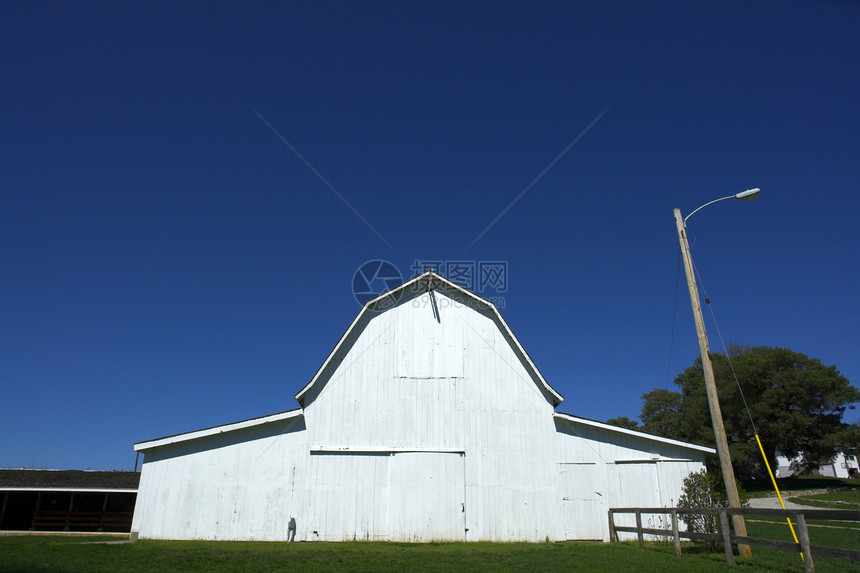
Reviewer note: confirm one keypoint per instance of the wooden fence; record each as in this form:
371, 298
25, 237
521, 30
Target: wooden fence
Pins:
728, 538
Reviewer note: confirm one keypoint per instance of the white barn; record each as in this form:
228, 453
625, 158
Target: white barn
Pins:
428, 421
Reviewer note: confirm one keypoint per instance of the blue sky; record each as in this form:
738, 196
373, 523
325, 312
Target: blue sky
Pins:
169, 263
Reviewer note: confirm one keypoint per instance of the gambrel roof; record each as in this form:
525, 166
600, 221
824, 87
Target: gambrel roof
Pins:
425, 283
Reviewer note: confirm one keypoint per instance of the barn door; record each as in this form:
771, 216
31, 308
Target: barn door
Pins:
582, 501
638, 486
427, 496
349, 498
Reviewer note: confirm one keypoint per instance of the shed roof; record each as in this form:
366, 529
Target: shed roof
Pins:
68, 480
214, 430
643, 435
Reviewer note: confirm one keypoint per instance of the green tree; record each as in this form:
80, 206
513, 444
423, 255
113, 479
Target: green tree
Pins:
796, 402
624, 422
661, 413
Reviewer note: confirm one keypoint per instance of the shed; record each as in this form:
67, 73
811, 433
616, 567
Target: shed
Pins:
427, 421
67, 500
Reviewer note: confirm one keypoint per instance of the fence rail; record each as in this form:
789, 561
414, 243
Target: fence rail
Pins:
727, 538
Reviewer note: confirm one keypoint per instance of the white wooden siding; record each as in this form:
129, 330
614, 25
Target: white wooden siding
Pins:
582, 490
349, 499
242, 485
427, 496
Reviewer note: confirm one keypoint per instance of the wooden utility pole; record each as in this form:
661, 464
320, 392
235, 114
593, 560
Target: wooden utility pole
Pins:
711, 387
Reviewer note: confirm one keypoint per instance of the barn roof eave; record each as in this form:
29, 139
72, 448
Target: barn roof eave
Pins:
611, 428
431, 277
215, 430
68, 480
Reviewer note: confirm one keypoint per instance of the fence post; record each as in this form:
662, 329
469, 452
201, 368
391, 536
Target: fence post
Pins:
613, 535
639, 533
727, 539
675, 532
803, 533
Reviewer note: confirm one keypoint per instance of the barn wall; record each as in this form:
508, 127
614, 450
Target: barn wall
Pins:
439, 375
427, 422
630, 471
241, 485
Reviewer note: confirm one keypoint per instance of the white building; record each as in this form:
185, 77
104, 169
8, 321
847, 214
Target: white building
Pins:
427, 421
841, 465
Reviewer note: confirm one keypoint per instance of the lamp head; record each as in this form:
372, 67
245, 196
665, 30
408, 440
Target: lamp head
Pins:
748, 194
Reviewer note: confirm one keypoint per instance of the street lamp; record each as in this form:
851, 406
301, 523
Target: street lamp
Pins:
710, 385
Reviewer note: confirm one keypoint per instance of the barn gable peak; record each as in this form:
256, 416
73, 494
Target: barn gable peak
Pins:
426, 282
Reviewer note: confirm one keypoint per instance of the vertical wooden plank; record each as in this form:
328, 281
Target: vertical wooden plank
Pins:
36, 511
465, 501
101, 526
639, 534
727, 542
675, 536
803, 533
3, 509
69, 513
613, 535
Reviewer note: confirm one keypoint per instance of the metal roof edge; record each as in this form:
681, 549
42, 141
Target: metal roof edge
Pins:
558, 397
73, 489
610, 427
345, 335
215, 430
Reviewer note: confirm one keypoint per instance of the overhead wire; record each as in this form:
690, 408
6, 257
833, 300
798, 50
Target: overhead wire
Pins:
725, 349
746, 405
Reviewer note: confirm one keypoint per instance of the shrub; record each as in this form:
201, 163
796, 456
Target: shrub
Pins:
703, 489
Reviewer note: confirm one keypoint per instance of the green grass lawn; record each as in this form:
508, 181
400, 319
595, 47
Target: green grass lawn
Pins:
811, 522
850, 496
827, 536
834, 500
820, 504
69, 555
